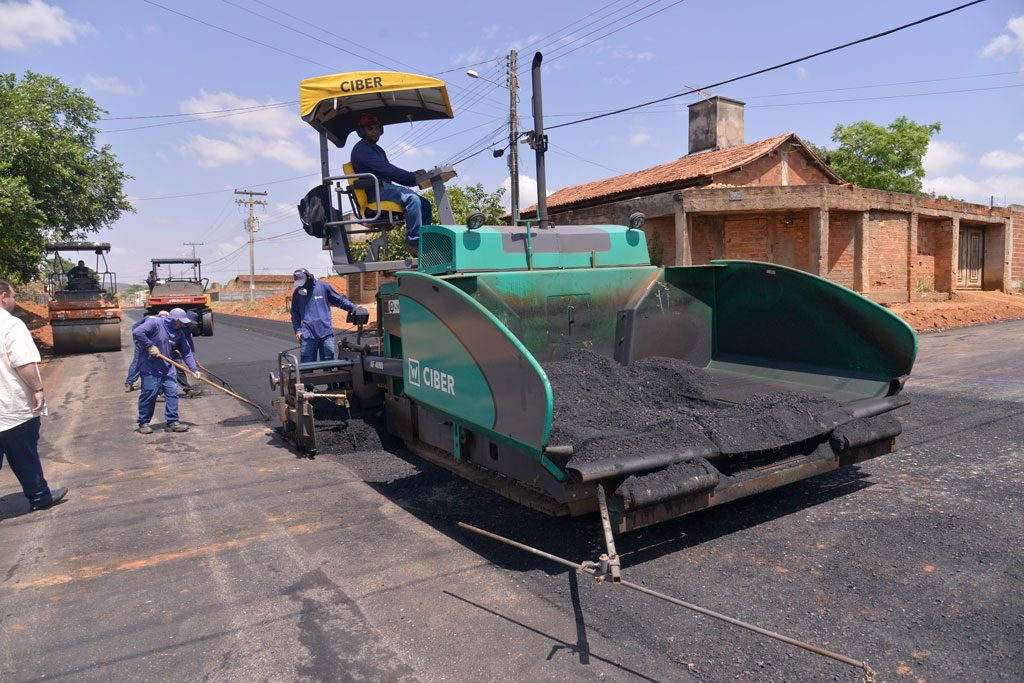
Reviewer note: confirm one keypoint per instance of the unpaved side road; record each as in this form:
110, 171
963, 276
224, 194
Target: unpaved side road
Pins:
218, 555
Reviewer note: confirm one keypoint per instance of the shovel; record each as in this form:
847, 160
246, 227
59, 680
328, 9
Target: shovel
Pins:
214, 385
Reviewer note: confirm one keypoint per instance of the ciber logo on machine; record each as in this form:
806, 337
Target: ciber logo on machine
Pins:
431, 378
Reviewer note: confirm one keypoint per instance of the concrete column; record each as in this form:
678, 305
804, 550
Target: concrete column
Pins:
1007, 255
818, 243
955, 255
912, 257
861, 248
684, 251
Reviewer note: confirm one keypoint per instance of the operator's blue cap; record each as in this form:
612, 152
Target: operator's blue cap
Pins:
193, 319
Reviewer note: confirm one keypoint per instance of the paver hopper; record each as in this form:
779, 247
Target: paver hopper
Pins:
85, 315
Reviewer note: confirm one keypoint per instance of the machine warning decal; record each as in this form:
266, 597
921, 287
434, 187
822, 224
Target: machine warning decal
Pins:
393, 306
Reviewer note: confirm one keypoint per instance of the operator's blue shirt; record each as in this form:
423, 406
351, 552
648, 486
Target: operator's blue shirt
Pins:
160, 332
371, 158
311, 314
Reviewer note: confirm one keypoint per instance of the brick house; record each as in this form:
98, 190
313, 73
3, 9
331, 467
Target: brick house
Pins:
774, 200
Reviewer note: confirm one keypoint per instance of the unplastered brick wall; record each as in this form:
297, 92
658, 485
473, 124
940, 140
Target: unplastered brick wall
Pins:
887, 255
841, 247
789, 240
933, 255
1017, 254
705, 239
767, 170
746, 239
362, 287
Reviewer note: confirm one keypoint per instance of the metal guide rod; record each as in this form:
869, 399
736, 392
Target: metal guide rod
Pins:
869, 674
609, 538
214, 385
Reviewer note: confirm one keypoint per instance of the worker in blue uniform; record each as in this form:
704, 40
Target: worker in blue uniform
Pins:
133, 367
369, 157
161, 336
311, 316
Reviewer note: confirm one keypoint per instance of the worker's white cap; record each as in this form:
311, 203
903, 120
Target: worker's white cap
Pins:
178, 314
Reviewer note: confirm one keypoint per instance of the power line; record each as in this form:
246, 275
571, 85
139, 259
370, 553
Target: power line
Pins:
198, 113
886, 97
199, 194
276, 105
605, 35
237, 35
775, 67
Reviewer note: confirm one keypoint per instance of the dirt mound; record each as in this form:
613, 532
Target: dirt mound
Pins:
36, 318
965, 308
275, 306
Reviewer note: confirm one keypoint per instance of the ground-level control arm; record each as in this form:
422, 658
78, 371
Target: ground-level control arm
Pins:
593, 568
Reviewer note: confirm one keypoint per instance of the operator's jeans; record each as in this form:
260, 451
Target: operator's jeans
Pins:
309, 348
416, 208
151, 385
19, 445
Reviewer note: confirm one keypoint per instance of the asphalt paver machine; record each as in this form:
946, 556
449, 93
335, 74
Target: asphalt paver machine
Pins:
543, 361
84, 312
180, 284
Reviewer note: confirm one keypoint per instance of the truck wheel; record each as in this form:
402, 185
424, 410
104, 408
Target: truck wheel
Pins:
207, 323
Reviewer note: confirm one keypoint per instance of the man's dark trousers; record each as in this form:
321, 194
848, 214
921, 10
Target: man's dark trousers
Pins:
20, 445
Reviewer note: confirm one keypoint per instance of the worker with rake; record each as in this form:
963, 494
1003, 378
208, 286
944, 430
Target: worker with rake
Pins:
161, 337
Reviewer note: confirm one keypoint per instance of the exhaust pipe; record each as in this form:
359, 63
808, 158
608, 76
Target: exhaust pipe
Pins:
539, 142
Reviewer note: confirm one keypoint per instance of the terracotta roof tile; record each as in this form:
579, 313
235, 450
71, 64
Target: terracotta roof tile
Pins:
687, 168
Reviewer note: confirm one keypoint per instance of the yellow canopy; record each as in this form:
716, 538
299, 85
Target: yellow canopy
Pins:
333, 104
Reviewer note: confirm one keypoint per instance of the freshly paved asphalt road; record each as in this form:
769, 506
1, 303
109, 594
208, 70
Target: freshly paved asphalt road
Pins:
220, 555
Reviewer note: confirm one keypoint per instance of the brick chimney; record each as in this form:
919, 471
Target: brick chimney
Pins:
715, 123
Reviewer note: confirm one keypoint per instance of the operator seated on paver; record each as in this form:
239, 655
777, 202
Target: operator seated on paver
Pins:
133, 367
311, 316
160, 336
369, 157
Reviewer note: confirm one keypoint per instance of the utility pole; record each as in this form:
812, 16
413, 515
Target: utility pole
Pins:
251, 227
193, 245
513, 134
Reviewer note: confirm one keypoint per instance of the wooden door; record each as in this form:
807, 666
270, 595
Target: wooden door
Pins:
971, 259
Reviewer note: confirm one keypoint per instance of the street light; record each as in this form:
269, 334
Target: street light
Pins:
513, 130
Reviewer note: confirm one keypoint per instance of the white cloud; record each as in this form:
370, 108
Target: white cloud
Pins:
629, 55
276, 120
210, 153
527, 191
110, 84
404, 149
802, 73
941, 155
639, 138
24, 23
1006, 43
490, 31
1003, 187
1001, 160
273, 132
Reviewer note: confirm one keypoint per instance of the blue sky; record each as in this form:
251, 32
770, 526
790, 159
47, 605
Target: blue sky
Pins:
138, 59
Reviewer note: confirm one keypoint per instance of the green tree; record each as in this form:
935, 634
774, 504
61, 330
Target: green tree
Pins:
55, 182
886, 158
464, 200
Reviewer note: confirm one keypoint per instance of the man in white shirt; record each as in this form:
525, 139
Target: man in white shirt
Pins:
21, 405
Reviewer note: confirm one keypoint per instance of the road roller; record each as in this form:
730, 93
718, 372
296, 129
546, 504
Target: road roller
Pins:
179, 283
84, 312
